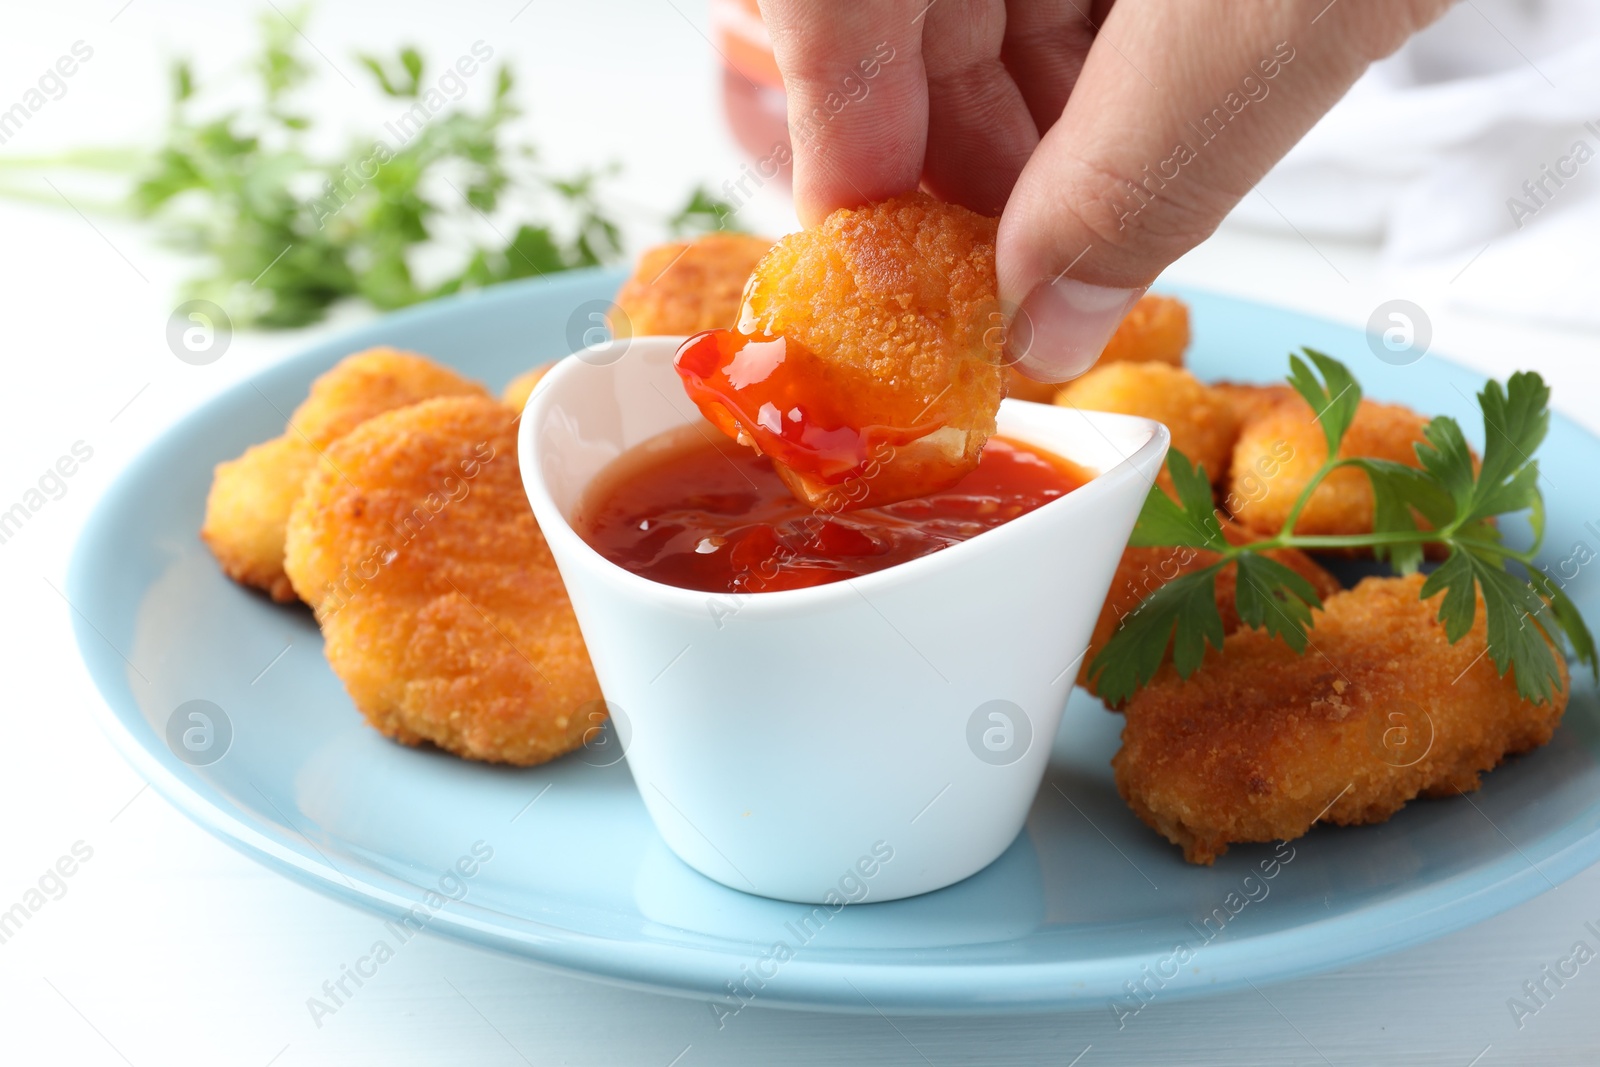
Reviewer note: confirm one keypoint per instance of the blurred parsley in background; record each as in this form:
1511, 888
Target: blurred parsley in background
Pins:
285, 233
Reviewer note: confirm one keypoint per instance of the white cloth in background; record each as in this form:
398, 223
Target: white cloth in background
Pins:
1427, 150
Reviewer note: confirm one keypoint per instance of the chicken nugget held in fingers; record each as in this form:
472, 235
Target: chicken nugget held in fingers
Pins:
867, 350
440, 604
1261, 743
248, 506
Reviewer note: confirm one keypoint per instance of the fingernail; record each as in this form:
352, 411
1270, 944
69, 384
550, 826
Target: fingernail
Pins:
1062, 326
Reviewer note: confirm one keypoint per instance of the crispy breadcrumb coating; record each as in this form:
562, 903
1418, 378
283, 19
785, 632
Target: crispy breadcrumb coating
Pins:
1261, 743
1202, 423
370, 383
250, 497
1251, 400
440, 604
1283, 448
687, 286
898, 302
248, 508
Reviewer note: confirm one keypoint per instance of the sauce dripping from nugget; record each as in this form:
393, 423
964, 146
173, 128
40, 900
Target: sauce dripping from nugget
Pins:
773, 393
699, 512
869, 341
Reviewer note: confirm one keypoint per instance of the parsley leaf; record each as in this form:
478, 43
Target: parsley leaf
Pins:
1273, 596
1452, 500
1334, 397
407, 213
1182, 613
1191, 520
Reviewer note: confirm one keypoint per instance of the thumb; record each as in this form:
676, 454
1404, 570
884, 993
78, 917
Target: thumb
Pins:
1179, 111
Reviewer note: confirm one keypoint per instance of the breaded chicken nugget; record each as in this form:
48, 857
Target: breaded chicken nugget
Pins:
517, 393
1202, 422
1277, 454
688, 286
1250, 400
1155, 331
370, 383
248, 507
440, 604
1261, 743
1142, 571
251, 496
867, 350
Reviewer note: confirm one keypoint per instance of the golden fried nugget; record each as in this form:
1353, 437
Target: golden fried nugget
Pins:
251, 496
441, 607
1202, 422
1277, 454
867, 350
370, 383
1249, 400
1261, 743
1155, 331
517, 393
248, 508
1141, 571
688, 286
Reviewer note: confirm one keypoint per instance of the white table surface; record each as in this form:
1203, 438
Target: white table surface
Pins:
169, 947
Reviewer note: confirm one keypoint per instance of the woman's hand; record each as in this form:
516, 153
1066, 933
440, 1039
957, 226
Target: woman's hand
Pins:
1111, 135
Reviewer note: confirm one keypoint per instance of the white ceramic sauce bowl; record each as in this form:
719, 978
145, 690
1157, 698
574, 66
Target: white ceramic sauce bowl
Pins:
863, 740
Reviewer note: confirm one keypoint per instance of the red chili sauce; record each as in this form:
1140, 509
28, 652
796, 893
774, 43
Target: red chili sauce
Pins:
777, 393
694, 509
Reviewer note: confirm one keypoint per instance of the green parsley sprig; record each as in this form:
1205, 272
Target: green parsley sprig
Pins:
285, 230
1451, 501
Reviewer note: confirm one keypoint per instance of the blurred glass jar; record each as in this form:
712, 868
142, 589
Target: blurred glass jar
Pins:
753, 99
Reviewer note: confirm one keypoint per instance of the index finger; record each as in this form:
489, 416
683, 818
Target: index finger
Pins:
858, 98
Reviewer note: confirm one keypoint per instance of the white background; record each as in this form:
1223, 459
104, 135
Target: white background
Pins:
170, 948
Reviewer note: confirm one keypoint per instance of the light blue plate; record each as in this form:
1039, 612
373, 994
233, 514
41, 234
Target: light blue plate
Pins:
1085, 900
